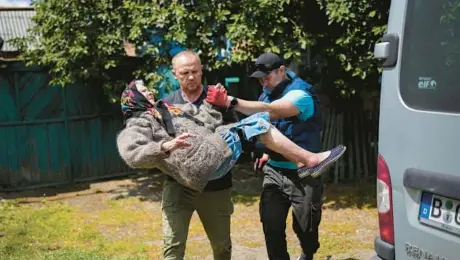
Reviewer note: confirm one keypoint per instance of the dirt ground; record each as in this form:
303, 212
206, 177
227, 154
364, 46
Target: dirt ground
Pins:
348, 227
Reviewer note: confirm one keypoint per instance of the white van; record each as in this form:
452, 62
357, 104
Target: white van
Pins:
418, 176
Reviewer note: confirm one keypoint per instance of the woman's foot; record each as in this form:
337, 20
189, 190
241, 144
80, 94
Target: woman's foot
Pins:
314, 159
324, 159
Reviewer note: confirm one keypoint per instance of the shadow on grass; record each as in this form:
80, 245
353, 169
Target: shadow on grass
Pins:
147, 186
357, 194
336, 196
44, 192
351, 195
246, 186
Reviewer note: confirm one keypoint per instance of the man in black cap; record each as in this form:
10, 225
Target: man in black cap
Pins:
295, 110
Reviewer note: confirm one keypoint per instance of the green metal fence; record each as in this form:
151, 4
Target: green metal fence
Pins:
52, 135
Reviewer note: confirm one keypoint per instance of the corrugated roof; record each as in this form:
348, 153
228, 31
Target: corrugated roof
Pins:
14, 23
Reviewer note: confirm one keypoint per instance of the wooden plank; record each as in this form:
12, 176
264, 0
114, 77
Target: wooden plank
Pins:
365, 146
335, 138
13, 160
33, 93
55, 146
112, 126
324, 129
41, 136
350, 147
332, 124
8, 111
95, 143
58, 155
99, 148
371, 154
77, 146
30, 162
325, 135
331, 131
357, 128
5, 171
341, 162
23, 154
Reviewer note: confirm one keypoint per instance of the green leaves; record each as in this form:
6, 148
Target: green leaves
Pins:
83, 42
353, 29
79, 41
75, 41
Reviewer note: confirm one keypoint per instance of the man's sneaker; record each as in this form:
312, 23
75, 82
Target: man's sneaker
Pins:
319, 169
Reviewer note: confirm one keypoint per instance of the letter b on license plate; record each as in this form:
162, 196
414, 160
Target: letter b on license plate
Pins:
440, 212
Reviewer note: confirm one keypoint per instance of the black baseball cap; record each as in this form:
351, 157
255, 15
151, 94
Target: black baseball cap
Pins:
266, 63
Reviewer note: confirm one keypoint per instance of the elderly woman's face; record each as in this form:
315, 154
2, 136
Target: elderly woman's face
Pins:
147, 93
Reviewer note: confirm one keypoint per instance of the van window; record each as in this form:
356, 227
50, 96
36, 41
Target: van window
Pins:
430, 59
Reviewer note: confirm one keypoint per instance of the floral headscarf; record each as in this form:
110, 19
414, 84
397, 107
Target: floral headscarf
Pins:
133, 103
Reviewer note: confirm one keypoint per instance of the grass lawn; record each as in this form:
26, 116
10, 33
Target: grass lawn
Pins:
98, 227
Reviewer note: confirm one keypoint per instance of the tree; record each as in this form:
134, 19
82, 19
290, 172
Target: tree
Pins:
357, 26
82, 40
344, 32
76, 40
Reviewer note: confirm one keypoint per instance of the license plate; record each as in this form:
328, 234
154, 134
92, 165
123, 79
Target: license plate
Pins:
440, 212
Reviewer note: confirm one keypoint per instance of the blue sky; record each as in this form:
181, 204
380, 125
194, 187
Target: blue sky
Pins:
14, 3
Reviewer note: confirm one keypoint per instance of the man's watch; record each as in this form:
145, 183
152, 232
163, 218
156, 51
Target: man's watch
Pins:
233, 103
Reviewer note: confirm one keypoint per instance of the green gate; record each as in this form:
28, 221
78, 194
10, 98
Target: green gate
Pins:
51, 135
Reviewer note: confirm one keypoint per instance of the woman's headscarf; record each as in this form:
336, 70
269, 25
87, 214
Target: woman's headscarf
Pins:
133, 103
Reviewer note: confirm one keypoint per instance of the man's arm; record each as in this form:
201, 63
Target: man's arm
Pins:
294, 103
282, 108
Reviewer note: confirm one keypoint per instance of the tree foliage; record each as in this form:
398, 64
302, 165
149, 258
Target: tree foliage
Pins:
82, 40
344, 32
360, 24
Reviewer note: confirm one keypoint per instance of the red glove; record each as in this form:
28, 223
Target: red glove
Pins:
217, 97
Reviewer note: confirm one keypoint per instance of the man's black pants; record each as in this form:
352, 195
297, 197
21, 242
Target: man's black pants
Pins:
282, 189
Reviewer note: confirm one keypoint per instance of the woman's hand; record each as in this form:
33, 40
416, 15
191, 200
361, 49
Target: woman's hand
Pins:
179, 142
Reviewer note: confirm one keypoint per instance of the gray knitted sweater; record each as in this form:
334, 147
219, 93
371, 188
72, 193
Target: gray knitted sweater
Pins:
139, 145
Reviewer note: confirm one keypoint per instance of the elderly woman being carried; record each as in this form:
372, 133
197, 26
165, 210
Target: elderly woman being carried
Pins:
191, 145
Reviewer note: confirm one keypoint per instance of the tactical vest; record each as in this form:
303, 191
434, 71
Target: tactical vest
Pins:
306, 134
